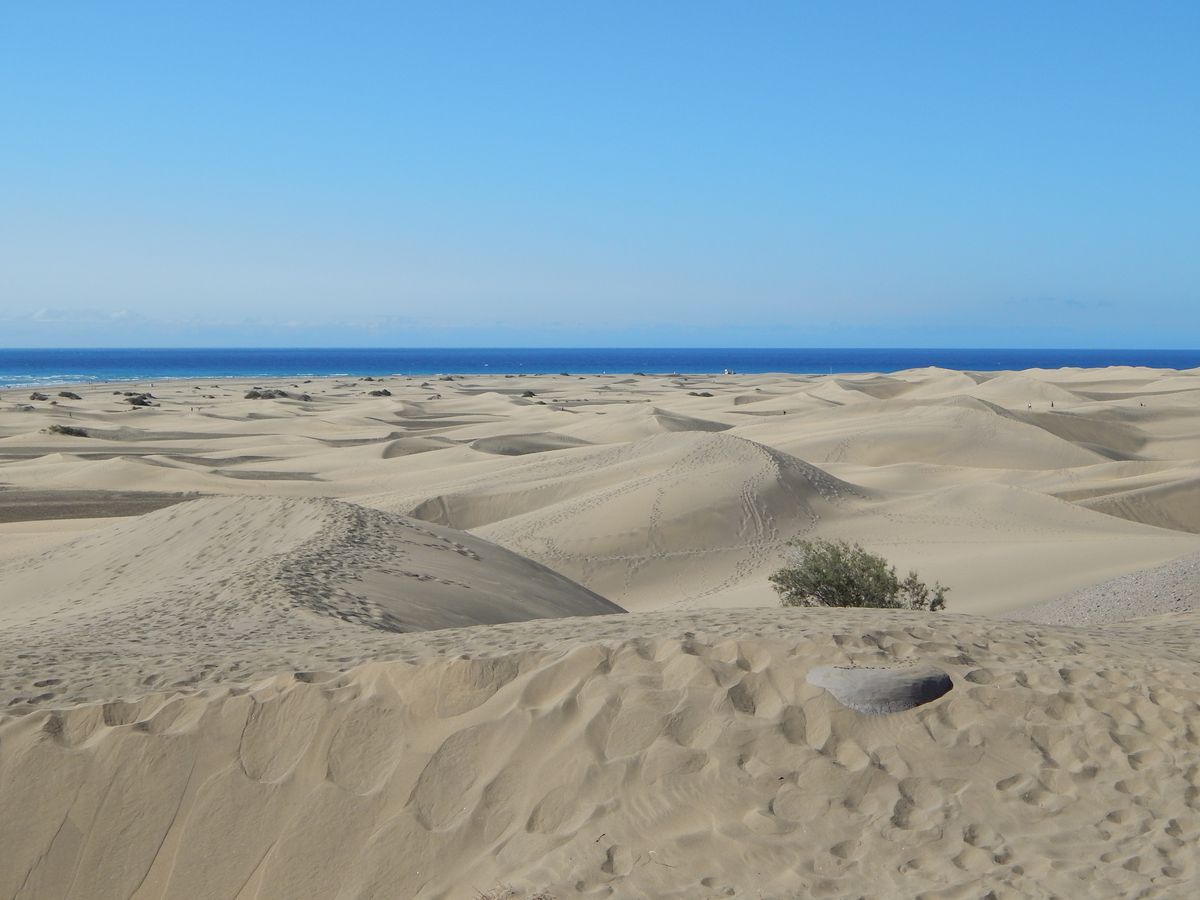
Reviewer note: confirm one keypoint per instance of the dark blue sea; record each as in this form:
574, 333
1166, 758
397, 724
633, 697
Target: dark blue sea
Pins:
20, 368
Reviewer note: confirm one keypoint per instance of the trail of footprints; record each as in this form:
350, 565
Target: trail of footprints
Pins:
680, 733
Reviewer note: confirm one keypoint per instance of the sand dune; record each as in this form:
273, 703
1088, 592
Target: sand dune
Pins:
932, 381
483, 456
654, 756
522, 444
1014, 389
232, 665
1175, 505
960, 432
1112, 439
233, 585
671, 518
406, 446
880, 387
642, 422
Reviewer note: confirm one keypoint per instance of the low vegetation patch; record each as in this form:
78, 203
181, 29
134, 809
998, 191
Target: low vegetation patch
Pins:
507, 892
838, 573
70, 430
275, 394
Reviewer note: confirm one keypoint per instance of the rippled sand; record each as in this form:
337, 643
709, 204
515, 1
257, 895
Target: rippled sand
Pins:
364, 645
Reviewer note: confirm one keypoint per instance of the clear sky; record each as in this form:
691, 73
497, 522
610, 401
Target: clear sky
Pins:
600, 173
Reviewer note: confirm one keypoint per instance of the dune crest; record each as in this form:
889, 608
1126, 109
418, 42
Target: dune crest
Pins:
637, 511
236, 584
663, 760
924, 450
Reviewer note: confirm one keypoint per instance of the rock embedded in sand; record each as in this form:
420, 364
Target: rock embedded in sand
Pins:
878, 691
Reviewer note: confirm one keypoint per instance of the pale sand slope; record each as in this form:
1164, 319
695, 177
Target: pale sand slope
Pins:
1173, 587
649, 755
648, 491
233, 587
674, 519
696, 519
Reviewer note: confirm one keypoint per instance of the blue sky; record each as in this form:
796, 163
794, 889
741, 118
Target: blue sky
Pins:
525, 174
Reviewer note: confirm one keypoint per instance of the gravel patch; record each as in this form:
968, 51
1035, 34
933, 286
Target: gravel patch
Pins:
1172, 587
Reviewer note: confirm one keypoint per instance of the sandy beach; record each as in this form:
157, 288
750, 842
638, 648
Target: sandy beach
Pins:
513, 636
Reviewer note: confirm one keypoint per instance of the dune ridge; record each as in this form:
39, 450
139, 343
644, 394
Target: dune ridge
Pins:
1119, 445
225, 586
663, 758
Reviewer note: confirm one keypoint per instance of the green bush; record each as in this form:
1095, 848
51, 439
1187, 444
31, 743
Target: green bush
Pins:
837, 573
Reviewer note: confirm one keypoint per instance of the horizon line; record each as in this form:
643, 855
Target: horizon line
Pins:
598, 347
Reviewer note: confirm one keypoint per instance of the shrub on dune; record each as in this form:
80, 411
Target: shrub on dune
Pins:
838, 573
69, 430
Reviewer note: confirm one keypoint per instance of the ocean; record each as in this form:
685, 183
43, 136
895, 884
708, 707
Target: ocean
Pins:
24, 368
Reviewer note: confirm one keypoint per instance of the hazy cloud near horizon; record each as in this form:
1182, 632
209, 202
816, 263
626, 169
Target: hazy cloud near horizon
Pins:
122, 328
711, 174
